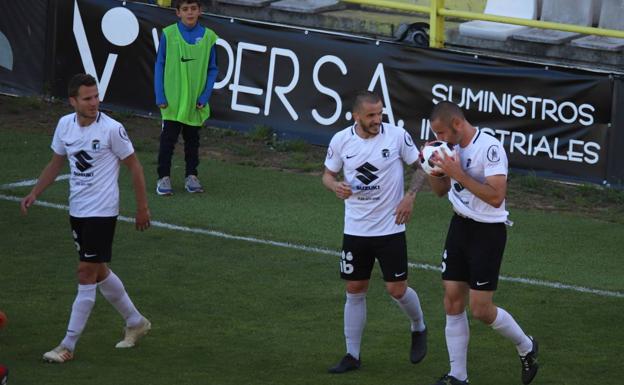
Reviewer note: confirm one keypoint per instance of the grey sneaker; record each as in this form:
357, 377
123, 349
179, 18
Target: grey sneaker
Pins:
192, 184
163, 187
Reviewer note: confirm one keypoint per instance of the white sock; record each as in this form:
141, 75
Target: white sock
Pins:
410, 304
509, 328
81, 309
457, 335
113, 290
354, 321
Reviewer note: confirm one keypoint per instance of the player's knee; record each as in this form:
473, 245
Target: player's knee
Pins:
482, 312
87, 274
396, 289
356, 287
477, 312
454, 304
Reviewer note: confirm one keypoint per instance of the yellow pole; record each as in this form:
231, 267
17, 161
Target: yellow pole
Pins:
164, 3
436, 24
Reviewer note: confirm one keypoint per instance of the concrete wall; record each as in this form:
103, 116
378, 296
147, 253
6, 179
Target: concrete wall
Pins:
462, 5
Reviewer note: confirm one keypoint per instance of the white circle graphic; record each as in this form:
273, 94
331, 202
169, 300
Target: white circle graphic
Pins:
120, 26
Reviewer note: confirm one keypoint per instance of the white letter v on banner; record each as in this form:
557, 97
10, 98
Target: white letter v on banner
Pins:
87, 58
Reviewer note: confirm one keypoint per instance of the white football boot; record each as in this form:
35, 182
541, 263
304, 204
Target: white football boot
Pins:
58, 355
132, 335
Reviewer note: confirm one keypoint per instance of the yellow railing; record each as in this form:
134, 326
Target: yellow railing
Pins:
437, 13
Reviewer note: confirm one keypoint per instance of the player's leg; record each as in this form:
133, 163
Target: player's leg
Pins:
455, 276
136, 324
486, 257
81, 310
168, 139
112, 288
391, 252
355, 316
191, 157
356, 264
456, 331
90, 265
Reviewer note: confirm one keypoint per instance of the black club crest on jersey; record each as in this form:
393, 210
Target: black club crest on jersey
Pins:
367, 173
82, 161
493, 154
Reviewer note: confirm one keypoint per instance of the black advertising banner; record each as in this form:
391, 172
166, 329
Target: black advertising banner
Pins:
300, 82
22, 46
615, 169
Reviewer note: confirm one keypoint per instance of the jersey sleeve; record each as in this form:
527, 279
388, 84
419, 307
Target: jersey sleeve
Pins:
333, 160
409, 151
495, 162
57, 144
120, 142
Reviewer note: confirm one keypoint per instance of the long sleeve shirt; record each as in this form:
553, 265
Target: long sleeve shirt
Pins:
191, 36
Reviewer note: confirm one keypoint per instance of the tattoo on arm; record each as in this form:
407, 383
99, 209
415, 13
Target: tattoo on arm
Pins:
417, 180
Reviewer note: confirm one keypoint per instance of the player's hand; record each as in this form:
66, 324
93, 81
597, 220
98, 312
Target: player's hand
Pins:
450, 165
162, 106
26, 202
142, 220
200, 106
403, 212
343, 190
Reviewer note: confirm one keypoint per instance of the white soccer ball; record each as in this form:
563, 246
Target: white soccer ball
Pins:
439, 147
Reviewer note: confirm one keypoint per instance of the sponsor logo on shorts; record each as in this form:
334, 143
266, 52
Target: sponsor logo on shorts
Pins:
482, 283
89, 255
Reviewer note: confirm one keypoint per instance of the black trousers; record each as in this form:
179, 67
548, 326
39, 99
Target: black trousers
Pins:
169, 138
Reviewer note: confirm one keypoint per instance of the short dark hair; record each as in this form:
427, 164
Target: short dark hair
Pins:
445, 111
77, 81
179, 3
364, 97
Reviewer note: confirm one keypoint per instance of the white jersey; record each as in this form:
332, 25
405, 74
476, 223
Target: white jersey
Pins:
483, 157
94, 153
374, 169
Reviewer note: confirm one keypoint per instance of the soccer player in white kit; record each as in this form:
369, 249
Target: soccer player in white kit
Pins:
476, 183
371, 155
95, 145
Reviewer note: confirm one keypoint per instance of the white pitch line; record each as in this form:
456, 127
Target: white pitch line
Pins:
318, 250
30, 182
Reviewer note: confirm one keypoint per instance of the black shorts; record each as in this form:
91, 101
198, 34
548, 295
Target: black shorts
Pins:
93, 237
473, 252
359, 253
